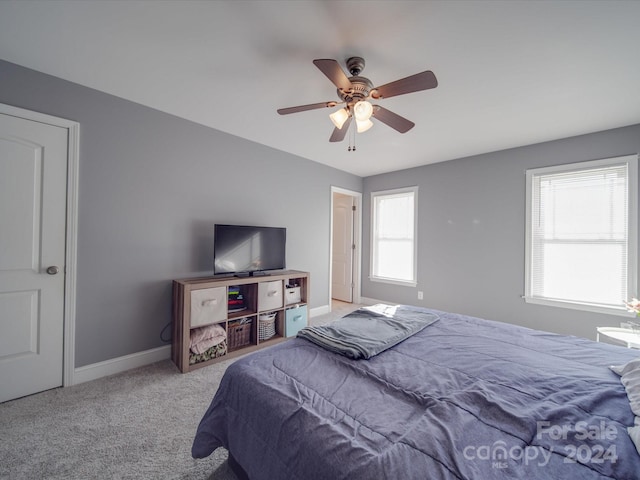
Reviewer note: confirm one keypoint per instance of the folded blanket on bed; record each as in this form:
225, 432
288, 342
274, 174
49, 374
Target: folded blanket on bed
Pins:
369, 330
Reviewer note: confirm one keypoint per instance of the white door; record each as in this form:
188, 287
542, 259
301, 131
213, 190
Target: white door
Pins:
342, 261
33, 175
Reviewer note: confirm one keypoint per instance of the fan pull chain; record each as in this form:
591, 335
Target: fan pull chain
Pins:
352, 133
354, 139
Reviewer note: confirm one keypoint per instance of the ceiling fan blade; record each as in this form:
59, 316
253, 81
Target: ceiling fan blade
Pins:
394, 120
304, 108
339, 133
414, 83
334, 72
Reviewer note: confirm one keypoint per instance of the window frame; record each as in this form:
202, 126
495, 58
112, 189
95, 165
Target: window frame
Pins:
373, 245
631, 161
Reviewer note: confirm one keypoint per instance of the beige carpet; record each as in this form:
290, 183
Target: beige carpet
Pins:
138, 424
134, 425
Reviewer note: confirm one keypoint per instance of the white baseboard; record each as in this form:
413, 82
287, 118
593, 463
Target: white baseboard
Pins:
324, 309
314, 312
373, 301
140, 359
120, 364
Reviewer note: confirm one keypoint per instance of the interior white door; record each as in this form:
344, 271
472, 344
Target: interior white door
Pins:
342, 261
33, 177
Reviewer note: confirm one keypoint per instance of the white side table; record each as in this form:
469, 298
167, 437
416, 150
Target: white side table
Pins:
625, 335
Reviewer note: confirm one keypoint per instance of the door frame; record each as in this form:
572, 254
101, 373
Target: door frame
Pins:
357, 240
71, 231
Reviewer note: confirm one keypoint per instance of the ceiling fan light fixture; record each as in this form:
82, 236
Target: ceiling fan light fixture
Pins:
353, 93
363, 111
363, 125
339, 117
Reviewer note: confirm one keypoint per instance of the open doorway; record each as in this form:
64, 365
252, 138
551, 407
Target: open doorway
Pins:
346, 234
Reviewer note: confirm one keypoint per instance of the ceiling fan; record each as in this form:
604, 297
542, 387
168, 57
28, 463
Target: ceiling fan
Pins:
355, 93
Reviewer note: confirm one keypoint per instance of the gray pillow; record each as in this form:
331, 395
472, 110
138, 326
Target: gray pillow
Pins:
634, 433
630, 378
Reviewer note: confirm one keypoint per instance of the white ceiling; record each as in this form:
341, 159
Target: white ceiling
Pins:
510, 73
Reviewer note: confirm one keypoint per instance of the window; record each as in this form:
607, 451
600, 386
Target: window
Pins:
581, 234
393, 236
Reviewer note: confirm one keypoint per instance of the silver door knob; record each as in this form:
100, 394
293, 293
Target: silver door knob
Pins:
53, 270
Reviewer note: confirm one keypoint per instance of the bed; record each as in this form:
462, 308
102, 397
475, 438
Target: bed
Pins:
463, 398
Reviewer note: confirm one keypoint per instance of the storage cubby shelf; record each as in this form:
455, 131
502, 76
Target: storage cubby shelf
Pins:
199, 302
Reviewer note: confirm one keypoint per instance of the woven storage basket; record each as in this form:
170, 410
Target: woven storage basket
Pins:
239, 334
266, 326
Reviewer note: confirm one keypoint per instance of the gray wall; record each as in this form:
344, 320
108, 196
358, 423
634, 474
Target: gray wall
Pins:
151, 187
471, 232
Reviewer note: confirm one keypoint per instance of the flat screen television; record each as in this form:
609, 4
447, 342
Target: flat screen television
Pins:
248, 250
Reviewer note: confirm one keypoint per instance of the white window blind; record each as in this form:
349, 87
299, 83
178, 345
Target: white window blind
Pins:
581, 233
393, 249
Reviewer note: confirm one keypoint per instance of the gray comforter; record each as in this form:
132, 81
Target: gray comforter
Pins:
462, 399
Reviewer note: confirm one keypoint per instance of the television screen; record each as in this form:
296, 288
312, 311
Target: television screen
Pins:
248, 249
